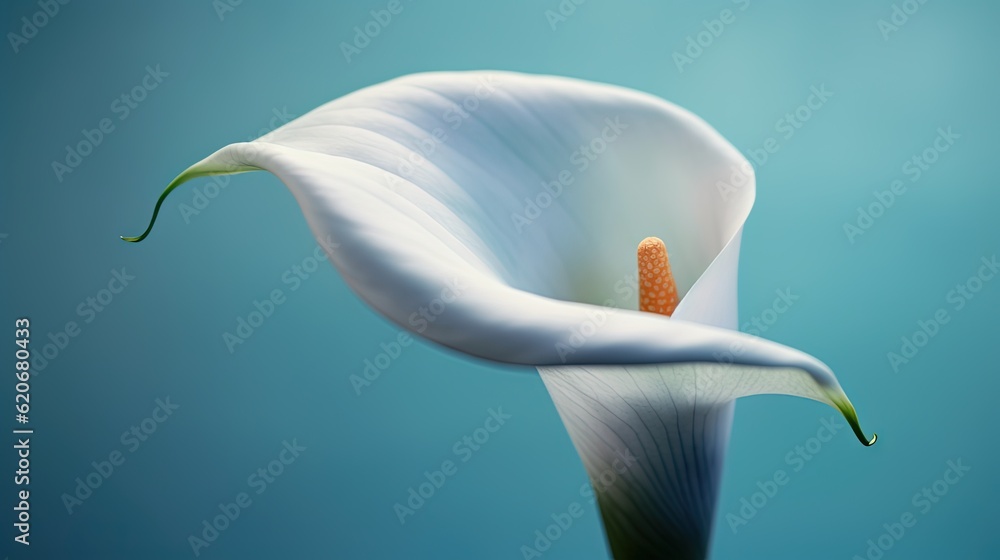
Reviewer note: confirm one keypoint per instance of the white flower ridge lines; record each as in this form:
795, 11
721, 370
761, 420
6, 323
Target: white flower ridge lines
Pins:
923, 501
464, 449
293, 277
914, 168
958, 297
768, 488
88, 309
581, 159
259, 480
132, 439
455, 115
31, 25
122, 106
203, 196
698, 424
704, 38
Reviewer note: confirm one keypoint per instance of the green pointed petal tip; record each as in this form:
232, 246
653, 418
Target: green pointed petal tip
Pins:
193, 172
847, 409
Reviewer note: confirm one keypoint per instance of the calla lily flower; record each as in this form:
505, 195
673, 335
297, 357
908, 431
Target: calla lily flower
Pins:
498, 214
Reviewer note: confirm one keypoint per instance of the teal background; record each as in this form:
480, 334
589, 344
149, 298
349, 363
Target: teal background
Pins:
162, 336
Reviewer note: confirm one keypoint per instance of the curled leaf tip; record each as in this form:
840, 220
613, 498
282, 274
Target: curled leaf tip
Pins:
205, 168
156, 210
861, 435
851, 415
159, 202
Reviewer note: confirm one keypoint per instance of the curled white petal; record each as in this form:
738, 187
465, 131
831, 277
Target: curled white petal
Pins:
516, 203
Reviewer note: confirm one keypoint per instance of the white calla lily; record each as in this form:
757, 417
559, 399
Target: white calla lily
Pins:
498, 214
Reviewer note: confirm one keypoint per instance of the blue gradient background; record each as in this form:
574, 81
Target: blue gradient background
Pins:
162, 335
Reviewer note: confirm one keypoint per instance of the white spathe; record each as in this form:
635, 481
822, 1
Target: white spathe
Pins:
508, 207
